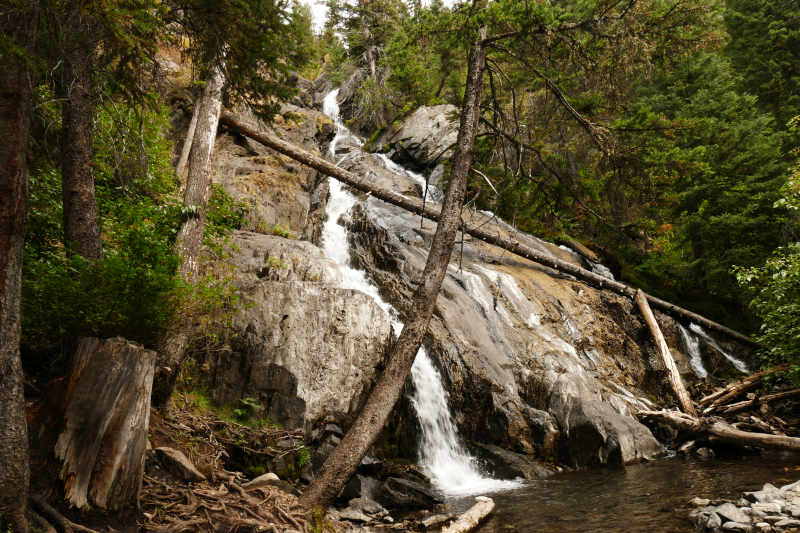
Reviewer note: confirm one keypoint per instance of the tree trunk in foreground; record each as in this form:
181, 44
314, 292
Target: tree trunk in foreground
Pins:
341, 465
481, 230
190, 235
714, 430
181, 168
16, 111
106, 413
77, 171
661, 345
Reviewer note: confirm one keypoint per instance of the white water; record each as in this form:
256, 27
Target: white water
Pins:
740, 365
692, 343
449, 466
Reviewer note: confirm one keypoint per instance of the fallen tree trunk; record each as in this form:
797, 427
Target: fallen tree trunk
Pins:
470, 520
479, 231
741, 406
730, 392
661, 344
103, 411
713, 430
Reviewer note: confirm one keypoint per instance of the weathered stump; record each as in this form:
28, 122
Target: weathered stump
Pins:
102, 416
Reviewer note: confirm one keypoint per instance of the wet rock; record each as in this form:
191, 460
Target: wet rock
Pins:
360, 487
793, 510
767, 508
399, 493
177, 464
787, 522
367, 506
544, 431
354, 514
730, 513
503, 464
261, 481
687, 448
699, 502
764, 496
370, 466
705, 453
424, 139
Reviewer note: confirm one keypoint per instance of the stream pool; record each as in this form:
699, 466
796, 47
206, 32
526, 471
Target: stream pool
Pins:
640, 498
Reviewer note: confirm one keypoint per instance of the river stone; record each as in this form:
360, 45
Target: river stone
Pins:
793, 510
792, 487
736, 527
772, 507
729, 512
687, 448
354, 514
302, 349
787, 522
399, 493
176, 463
359, 486
699, 502
714, 521
705, 453
367, 506
764, 496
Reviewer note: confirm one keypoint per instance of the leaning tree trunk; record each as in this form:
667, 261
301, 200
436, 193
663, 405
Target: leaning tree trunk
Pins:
100, 412
181, 167
77, 172
190, 236
365, 430
370, 52
16, 111
674, 376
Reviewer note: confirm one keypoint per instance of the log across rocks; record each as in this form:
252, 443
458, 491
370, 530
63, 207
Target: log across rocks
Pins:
470, 520
481, 231
713, 430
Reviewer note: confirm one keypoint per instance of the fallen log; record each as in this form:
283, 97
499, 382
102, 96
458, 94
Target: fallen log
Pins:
741, 406
470, 520
479, 231
713, 430
661, 344
730, 392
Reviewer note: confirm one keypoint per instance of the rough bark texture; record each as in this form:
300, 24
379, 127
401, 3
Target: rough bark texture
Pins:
661, 345
106, 412
714, 430
190, 235
198, 183
16, 111
181, 168
470, 520
482, 230
338, 468
77, 173
368, 44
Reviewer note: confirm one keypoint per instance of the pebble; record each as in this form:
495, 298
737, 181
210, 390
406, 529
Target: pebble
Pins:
736, 526
714, 521
699, 502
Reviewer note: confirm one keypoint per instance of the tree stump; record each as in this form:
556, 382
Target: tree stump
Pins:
105, 414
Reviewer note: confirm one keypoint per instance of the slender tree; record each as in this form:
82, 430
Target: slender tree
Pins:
17, 24
338, 468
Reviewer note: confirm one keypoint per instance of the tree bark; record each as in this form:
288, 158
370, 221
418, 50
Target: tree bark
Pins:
77, 172
661, 345
480, 230
714, 430
16, 111
190, 235
341, 465
198, 183
370, 52
181, 167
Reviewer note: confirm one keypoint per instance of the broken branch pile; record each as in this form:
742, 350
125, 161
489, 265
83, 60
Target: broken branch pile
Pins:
719, 401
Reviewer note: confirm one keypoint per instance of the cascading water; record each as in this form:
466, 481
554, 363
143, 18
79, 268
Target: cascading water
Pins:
692, 343
740, 365
450, 468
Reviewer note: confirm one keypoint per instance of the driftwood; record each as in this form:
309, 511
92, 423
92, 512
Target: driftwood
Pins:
713, 430
661, 344
741, 406
470, 520
480, 230
105, 412
721, 397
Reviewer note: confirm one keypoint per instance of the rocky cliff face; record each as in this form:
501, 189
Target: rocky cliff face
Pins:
535, 362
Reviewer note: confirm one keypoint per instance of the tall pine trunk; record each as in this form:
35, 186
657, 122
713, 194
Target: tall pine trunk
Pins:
190, 235
16, 110
343, 462
77, 173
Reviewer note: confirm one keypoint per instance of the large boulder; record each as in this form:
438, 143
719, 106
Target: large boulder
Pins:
594, 433
424, 139
302, 348
399, 493
503, 464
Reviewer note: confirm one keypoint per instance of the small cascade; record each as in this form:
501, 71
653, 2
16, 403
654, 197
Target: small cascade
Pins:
449, 466
740, 365
692, 344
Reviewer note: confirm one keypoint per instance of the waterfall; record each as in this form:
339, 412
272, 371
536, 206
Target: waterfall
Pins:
449, 466
740, 365
692, 343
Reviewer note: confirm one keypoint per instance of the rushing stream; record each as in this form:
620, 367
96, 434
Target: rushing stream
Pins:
449, 466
